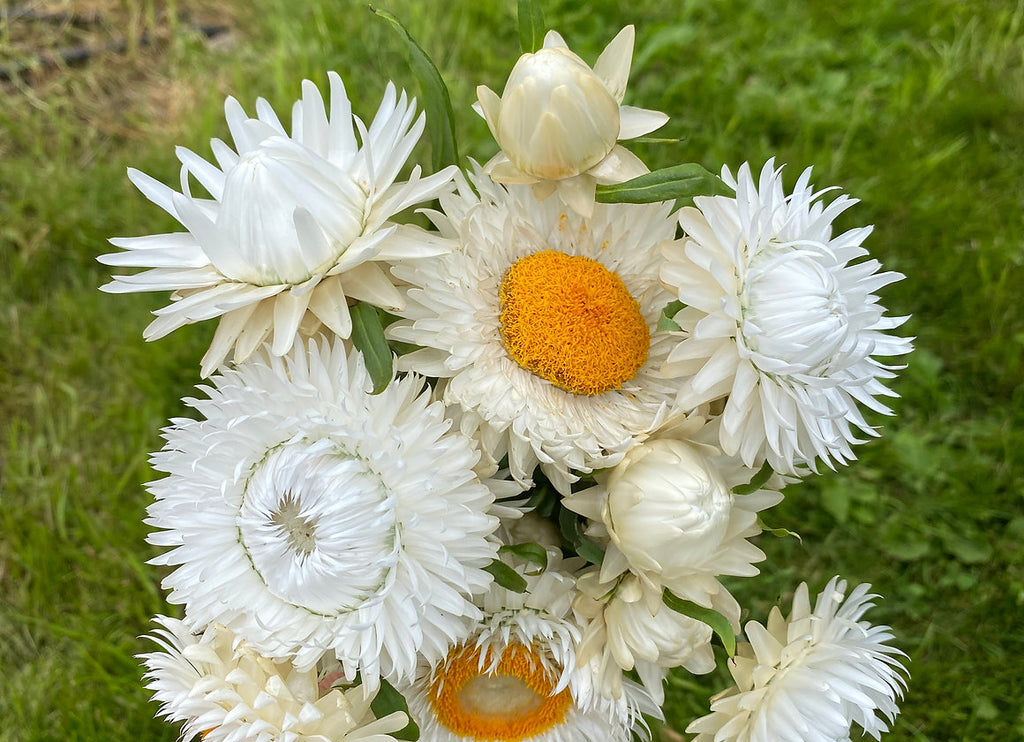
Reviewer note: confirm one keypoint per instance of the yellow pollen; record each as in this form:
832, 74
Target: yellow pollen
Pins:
571, 321
512, 702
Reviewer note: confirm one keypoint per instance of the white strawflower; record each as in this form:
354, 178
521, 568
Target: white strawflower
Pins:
629, 627
671, 517
558, 120
295, 227
810, 677
224, 691
544, 325
780, 322
309, 516
516, 676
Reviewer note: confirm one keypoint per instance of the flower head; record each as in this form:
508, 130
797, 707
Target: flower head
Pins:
226, 692
558, 120
810, 677
311, 517
780, 321
544, 325
295, 227
516, 676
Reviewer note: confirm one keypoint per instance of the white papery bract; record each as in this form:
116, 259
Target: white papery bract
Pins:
558, 120
224, 691
516, 676
454, 313
310, 517
810, 677
780, 321
295, 227
629, 627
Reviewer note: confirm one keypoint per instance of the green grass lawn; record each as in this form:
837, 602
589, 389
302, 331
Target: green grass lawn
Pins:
914, 106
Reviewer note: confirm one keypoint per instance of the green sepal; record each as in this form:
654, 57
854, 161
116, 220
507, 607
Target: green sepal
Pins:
368, 337
387, 701
666, 323
436, 101
679, 182
505, 576
529, 551
531, 26
756, 483
718, 623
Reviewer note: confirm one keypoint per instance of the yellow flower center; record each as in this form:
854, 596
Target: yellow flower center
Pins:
512, 702
571, 321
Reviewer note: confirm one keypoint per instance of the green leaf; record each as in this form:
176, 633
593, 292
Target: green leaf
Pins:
718, 623
505, 576
368, 337
680, 182
756, 483
657, 140
388, 701
779, 532
530, 552
589, 550
666, 323
531, 26
572, 532
437, 103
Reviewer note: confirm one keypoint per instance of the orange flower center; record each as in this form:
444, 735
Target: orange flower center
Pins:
571, 321
513, 701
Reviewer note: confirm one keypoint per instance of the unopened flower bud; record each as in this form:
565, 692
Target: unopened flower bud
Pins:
668, 509
556, 119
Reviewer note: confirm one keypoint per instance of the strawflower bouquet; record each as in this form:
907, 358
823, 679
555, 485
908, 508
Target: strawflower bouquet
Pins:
482, 480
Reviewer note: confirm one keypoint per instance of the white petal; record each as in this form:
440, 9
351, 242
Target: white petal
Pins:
614, 63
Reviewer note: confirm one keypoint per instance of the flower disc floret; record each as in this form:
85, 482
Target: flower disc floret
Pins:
571, 321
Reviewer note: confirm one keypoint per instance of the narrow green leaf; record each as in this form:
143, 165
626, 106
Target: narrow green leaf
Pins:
756, 483
530, 552
718, 623
666, 323
505, 576
680, 182
387, 701
436, 101
531, 26
780, 532
368, 337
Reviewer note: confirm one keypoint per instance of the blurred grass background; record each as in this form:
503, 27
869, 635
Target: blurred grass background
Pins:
914, 106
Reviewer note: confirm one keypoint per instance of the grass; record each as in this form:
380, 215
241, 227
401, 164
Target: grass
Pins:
914, 107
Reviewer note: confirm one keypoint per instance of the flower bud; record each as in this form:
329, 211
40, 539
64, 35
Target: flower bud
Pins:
668, 509
285, 214
556, 118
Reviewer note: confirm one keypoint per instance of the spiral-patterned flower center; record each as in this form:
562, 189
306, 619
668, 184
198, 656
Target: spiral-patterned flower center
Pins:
319, 527
795, 311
